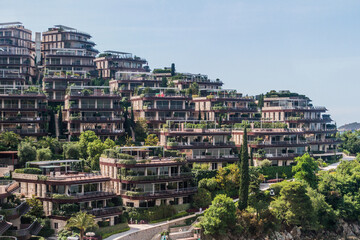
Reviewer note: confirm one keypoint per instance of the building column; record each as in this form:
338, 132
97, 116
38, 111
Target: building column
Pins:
50, 208
112, 222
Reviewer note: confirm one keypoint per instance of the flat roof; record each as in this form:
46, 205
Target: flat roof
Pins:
53, 161
139, 147
10, 23
115, 52
64, 27
8, 152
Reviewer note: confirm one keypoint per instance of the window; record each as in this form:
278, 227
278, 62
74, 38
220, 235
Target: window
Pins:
56, 225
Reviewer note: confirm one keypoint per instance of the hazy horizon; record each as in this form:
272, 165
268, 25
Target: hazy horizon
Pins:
253, 46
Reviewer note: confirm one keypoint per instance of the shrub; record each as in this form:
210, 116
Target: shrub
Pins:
202, 198
270, 172
28, 170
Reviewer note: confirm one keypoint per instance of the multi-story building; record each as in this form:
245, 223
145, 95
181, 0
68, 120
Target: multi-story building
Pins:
12, 209
226, 106
93, 108
66, 67
64, 191
200, 141
17, 51
146, 181
127, 82
110, 62
184, 80
68, 60
23, 110
60, 36
290, 126
158, 105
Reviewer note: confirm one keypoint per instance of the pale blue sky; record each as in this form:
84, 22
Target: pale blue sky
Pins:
307, 46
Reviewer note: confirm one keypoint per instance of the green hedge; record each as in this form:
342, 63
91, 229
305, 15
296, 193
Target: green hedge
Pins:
28, 170
270, 172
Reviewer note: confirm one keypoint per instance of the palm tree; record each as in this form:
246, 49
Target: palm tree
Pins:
81, 221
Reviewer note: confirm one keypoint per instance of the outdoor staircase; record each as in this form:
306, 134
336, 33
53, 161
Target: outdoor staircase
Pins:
4, 225
36, 228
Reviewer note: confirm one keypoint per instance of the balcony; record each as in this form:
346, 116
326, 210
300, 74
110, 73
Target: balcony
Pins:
4, 225
301, 108
9, 73
79, 197
158, 194
279, 143
23, 119
95, 119
156, 177
212, 158
108, 211
186, 145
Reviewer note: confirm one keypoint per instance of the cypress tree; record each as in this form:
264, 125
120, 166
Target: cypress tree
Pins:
244, 174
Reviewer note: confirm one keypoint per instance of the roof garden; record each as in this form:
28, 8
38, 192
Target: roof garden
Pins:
283, 94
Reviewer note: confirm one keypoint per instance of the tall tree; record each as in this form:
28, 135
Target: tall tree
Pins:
244, 174
81, 221
173, 69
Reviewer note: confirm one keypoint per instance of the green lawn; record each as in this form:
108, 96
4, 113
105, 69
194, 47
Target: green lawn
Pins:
105, 232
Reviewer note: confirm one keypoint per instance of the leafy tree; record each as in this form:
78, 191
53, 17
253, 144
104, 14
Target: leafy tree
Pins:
94, 151
244, 174
10, 140
86, 138
219, 217
261, 101
325, 214
163, 82
26, 152
43, 154
151, 140
81, 221
109, 143
228, 179
351, 141
208, 183
202, 198
306, 169
36, 207
293, 206
193, 89
71, 150
141, 130
52, 143
173, 70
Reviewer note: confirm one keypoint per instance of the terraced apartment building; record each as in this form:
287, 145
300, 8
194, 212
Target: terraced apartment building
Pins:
109, 63
145, 180
17, 51
64, 190
68, 59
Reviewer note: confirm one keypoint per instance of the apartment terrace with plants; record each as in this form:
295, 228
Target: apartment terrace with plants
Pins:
184, 80
93, 108
158, 105
200, 141
225, 106
65, 67
127, 82
17, 50
12, 211
148, 176
110, 62
299, 114
23, 109
64, 190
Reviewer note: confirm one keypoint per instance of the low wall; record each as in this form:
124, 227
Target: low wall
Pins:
149, 233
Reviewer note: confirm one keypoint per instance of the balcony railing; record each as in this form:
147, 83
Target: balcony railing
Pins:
102, 118
159, 193
268, 143
155, 177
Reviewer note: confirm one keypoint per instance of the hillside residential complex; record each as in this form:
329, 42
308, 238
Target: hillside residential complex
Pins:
59, 85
